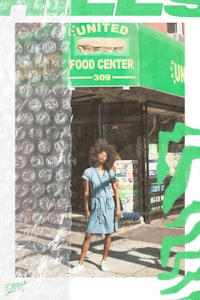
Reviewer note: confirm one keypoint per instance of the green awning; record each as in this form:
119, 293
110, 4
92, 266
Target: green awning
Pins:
150, 58
161, 61
100, 54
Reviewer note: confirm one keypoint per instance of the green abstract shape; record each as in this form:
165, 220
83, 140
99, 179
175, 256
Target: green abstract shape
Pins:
59, 8
183, 10
180, 130
181, 176
176, 188
33, 7
123, 8
177, 261
82, 8
192, 296
131, 8
190, 276
193, 208
169, 242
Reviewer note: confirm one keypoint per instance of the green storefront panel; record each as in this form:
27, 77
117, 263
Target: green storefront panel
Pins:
161, 60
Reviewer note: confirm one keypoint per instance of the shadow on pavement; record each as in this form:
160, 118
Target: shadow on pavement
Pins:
127, 257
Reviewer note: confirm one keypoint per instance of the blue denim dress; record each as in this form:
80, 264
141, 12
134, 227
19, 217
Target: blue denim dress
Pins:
102, 204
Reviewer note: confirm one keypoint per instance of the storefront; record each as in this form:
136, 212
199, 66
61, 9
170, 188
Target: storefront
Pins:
127, 84
126, 95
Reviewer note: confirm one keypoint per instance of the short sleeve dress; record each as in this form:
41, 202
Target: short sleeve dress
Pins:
102, 204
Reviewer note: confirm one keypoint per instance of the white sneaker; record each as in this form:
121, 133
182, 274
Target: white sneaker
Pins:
76, 269
104, 266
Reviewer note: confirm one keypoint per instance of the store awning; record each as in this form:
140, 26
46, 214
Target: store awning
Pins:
112, 54
161, 61
100, 55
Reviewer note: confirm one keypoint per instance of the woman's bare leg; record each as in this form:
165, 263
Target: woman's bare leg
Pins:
108, 238
85, 247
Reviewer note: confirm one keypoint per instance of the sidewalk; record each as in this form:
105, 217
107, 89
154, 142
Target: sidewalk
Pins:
135, 250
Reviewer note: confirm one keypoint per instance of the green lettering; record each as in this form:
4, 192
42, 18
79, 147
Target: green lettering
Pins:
131, 8
82, 8
36, 8
183, 10
58, 8
33, 7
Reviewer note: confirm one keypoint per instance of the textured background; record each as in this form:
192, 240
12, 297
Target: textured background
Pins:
59, 288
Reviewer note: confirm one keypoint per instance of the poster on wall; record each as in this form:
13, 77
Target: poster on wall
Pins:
127, 183
36, 145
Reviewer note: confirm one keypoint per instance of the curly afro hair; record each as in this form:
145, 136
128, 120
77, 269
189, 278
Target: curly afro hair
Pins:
102, 145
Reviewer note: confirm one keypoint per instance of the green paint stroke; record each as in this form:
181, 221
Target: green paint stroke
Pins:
37, 7
193, 208
192, 296
176, 188
14, 287
168, 242
190, 276
180, 130
180, 179
177, 261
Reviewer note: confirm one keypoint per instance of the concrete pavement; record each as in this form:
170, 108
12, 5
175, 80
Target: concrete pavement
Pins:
134, 252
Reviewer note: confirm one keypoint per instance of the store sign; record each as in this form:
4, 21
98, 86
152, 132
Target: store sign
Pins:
104, 54
112, 54
101, 54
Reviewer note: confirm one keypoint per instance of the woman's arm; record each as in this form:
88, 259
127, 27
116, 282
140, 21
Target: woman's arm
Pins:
117, 200
86, 198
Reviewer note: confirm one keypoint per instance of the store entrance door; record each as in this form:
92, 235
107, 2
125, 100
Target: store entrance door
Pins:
120, 124
122, 128
83, 137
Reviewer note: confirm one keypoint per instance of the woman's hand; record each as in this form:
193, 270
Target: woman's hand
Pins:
86, 199
118, 213
87, 215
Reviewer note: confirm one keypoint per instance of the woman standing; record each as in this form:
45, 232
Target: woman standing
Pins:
101, 210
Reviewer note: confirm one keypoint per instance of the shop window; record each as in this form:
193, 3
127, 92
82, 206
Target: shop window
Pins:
171, 27
121, 127
161, 120
176, 30
83, 137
